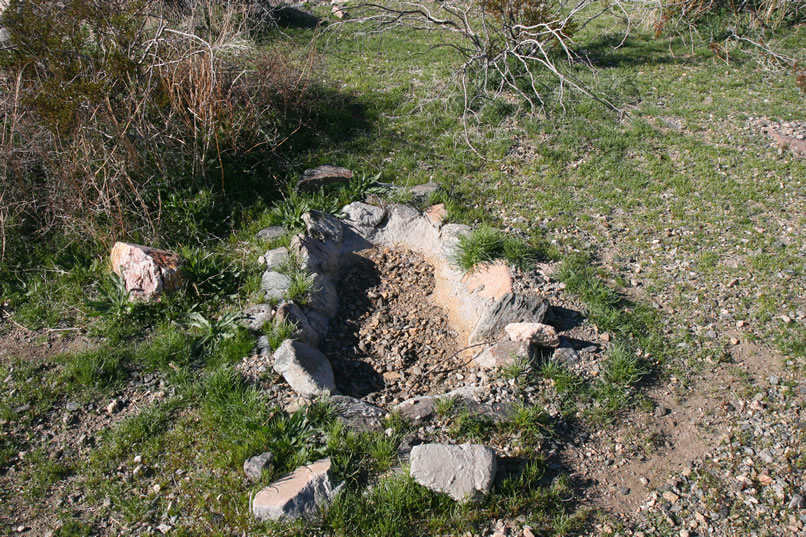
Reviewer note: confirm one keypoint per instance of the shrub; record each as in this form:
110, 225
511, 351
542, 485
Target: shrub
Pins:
109, 105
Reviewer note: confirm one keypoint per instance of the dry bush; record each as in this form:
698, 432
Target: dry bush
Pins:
758, 13
517, 47
107, 105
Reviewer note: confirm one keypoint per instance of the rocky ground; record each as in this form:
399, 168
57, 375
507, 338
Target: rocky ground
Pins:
389, 340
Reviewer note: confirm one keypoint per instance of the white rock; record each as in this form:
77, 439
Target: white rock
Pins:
463, 472
540, 334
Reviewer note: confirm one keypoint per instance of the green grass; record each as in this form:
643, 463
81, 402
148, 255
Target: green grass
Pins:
486, 245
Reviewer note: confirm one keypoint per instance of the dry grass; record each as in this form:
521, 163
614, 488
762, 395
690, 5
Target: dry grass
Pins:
143, 97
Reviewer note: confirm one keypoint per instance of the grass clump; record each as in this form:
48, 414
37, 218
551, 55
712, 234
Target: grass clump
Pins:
486, 245
278, 331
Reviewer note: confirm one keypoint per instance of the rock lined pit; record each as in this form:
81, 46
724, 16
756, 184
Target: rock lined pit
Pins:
389, 341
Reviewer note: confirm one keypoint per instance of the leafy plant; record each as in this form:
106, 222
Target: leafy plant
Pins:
210, 333
113, 298
291, 439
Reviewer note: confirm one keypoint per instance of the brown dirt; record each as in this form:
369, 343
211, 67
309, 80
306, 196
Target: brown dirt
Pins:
389, 340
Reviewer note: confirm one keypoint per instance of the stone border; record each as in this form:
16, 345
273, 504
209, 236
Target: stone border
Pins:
479, 304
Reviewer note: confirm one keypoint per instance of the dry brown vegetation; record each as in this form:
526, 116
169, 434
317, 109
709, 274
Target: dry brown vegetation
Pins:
109, 105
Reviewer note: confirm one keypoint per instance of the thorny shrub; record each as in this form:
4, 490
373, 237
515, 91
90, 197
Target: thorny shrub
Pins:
109, 105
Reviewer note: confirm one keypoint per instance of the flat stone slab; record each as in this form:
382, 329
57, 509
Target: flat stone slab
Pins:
306, 370
322, 176
489, 280
510, 308
464, 472
298, 494
542, 335
146, 272
275, 285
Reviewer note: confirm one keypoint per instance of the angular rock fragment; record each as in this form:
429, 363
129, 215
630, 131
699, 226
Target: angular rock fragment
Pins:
504, 353
565, 354
463, 472
510, 308
306, 370
358, 414
542, 335
364, 215
253, 466
146, 272
275, 285
298, 494
323, 227
321, 176
255, 316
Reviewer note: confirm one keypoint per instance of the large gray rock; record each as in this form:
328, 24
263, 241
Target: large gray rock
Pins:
253, 466
358, 414
324, 297
275, 285
510, 308
306, 370
504, 353
463, 472
364, 215
298, 494
321, 176
323, 227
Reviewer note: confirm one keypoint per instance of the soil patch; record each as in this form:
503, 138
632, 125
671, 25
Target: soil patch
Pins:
389, 340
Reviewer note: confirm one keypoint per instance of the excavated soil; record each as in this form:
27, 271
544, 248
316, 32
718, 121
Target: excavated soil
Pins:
389, 340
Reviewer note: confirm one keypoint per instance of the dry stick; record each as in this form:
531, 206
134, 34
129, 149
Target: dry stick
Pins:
452, 356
